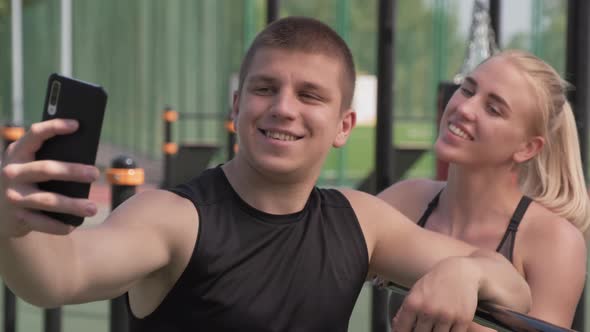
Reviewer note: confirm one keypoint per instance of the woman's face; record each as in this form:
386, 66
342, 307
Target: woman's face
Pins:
489, 118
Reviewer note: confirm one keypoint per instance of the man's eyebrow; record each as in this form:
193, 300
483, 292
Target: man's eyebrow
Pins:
261, 78
313, 86
494, 96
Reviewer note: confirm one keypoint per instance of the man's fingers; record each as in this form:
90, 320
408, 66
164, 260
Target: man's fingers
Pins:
42, 223
44, 170
41, 200
443, 327
404, 321
42, 131
461, 326
424, 324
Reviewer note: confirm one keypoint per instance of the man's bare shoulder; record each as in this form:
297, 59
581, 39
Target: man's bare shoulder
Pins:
168, 214
374, 215
158, 204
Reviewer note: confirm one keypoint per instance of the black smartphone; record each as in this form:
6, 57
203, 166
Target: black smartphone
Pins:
69, 98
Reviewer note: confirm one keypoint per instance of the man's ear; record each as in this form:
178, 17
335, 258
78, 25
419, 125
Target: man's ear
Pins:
347, 122
529, 149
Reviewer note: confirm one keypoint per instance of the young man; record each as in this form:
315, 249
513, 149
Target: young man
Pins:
252, 245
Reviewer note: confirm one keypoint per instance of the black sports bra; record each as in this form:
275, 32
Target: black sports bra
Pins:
506, 246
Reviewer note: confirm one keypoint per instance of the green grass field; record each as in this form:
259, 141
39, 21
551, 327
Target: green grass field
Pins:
352, 163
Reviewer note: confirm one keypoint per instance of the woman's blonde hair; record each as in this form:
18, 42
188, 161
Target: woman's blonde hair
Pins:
554, 177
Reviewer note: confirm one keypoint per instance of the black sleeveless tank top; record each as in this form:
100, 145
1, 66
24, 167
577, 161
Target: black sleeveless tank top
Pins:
505, 247
253, 271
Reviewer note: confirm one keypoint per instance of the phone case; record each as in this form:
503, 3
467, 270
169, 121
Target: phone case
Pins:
86, 103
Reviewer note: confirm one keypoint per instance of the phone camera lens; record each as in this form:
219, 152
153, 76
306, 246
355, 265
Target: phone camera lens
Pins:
53, 98
55, 87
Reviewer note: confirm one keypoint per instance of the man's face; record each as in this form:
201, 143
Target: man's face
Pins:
289, 111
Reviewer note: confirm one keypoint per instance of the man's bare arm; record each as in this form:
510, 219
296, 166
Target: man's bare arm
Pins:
48, 263
447, 276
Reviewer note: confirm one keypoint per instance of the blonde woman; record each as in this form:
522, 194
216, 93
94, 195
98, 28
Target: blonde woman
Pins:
515, 182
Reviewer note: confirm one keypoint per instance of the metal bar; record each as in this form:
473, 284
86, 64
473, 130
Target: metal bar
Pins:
199, 115
9, 297
578, 74
66, 37
384, 166
168, 155
52, 320
17, 63
9, 310
119, 320
343, 28
577, 69
272, 10
120, 192
495, 19
499, 318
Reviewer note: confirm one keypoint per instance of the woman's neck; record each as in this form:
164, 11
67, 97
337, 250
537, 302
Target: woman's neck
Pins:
478, 197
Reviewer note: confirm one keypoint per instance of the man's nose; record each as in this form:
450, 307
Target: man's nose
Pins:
284, 105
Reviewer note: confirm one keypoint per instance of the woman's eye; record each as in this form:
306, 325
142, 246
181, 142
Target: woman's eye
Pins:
493, 110
466, 92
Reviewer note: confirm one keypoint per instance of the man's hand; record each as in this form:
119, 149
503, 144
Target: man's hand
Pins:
19, 196
445, 299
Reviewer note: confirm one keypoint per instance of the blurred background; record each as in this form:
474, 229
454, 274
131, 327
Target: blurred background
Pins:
150, 54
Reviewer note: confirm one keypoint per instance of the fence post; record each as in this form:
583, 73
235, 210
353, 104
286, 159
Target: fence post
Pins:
10, 133
124, 177
52, 320
169, 148
232, 146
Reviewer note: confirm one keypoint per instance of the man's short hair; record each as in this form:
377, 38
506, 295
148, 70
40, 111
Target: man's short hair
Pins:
307, 35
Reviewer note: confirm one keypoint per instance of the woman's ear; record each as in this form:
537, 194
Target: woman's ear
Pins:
529, 149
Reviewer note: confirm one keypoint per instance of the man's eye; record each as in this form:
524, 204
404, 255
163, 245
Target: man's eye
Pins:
263, 90
310, 96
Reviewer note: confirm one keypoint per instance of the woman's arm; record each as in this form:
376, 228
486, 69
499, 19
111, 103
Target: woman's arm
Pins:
554, 264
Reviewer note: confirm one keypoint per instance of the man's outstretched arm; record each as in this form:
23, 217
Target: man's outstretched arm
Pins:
48, 263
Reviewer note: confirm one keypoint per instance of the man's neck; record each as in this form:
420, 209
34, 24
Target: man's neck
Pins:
270, 193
